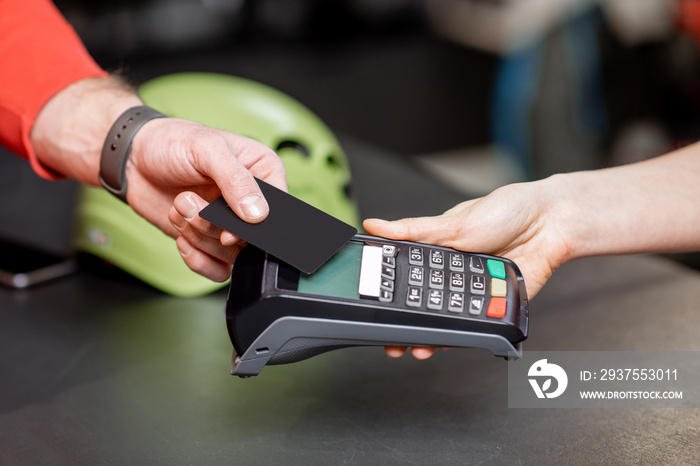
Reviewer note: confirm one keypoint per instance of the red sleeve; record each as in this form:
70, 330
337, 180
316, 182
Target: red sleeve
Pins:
40, 54
688, 14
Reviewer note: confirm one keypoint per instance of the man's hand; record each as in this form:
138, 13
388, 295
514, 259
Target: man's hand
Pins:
177, 167
174, 169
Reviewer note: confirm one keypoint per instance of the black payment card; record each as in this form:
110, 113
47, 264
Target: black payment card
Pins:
294, 231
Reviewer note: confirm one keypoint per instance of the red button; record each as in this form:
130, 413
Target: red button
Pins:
497, 308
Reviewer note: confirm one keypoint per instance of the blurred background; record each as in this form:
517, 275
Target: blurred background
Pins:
466, 95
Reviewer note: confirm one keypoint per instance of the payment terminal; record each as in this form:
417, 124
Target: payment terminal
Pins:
373, 292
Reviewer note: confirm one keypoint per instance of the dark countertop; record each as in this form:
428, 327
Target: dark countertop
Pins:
97, 370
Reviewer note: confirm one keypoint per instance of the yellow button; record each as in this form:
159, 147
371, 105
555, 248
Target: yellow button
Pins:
499, 287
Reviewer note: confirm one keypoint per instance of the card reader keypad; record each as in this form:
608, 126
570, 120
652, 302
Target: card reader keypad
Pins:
435, 280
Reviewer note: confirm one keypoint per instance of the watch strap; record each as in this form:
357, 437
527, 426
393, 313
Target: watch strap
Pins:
117, 146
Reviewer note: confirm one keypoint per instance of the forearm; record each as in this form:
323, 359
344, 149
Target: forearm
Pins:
652, 206
70, 129
40, 55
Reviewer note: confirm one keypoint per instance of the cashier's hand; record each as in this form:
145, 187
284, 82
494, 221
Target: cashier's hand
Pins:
177, 167
515, 222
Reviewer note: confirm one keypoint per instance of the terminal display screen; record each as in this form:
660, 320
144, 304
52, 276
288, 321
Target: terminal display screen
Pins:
339, 277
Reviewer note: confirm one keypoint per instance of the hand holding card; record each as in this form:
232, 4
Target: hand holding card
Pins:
294, 231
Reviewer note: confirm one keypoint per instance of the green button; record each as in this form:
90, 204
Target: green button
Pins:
496, 268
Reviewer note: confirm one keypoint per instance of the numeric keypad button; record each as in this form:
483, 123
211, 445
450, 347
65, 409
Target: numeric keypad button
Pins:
415, 276
437, 259
456, 262
456, 302
414, 297
415, 255
477, 284
457, 281
435, 300
437, 279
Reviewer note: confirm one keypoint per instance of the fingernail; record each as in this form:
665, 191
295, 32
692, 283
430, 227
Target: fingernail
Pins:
180, 221
227, 239
253, 206
184, 247
186, 206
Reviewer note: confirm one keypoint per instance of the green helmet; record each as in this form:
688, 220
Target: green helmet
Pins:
317, 172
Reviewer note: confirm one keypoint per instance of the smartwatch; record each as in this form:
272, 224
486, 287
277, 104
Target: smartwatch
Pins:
117, 145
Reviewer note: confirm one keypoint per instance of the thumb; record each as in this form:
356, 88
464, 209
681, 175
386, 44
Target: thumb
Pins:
243, 195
